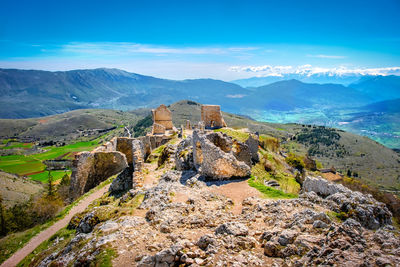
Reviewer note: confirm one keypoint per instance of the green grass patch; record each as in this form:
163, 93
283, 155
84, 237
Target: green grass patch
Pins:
104, 259
23, 165
236, 134
158, 150
6, 141
287, 182
337, 217
269, 192
43, 176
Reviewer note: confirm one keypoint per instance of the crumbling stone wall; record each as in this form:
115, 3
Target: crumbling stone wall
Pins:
91, 168
212, 117
162, 116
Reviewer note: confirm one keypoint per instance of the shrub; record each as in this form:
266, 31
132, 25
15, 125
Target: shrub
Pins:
295, 161
269, 143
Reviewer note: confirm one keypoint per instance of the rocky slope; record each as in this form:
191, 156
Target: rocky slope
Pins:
180, 218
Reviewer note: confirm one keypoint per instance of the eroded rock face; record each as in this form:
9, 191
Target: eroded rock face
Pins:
364, 208
253, 142
92, 168
184, 155
213, 157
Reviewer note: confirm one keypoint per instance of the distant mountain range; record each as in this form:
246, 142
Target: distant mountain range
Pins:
321, 78
33, 93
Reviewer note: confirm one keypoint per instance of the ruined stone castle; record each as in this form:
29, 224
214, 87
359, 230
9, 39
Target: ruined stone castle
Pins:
126, 156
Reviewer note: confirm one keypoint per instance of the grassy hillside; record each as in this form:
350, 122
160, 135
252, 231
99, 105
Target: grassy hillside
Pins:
66, 127
14, 189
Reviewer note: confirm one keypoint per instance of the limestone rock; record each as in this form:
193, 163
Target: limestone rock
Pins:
361, 207
167, 154
184, 155
322, 186
253, 142
205, 241
122, 183
232, 228
215, 158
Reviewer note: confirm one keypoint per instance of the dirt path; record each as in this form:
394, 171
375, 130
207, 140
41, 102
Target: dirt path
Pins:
46, 234
237, 191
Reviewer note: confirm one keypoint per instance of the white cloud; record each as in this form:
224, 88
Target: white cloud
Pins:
308, 70
236, 96
124, 48
327, 56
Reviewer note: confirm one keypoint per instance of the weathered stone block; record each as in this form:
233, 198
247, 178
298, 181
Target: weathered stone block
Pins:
162, 116
212, 117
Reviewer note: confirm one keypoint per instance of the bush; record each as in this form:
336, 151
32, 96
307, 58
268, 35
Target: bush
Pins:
269, 143
295, 161
26, 215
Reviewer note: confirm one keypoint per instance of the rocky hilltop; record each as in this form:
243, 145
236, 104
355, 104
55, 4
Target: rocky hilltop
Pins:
199, 197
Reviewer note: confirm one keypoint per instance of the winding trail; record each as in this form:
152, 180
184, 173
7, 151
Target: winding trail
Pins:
49, 232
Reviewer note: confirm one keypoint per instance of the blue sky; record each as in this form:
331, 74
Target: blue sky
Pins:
192, 39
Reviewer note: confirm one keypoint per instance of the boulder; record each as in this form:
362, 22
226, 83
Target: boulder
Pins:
92, 168
232, 228
253, 142
122, 183
213, 157
322, 186
205, 241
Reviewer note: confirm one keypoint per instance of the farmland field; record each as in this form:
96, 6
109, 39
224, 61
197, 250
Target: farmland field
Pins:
32, 166
43, 176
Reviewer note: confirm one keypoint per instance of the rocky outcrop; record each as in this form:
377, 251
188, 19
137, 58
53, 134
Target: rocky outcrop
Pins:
92, 168
183, 222
213, 157
253, 142
363, 208
167, 155
184, 155
322, 186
